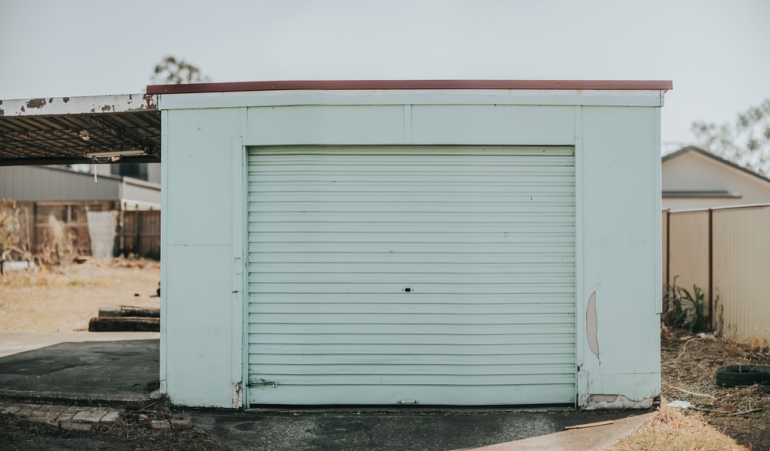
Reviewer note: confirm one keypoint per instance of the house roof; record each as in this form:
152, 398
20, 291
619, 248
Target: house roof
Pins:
62, 130
716, 158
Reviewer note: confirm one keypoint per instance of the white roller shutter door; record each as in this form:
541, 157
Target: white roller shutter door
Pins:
386, 275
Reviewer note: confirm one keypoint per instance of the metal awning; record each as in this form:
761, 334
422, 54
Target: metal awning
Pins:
65, 130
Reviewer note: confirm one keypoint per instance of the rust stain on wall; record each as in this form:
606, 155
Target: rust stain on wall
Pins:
592, 325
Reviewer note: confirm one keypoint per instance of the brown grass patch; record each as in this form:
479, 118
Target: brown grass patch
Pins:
672, 430
64, 298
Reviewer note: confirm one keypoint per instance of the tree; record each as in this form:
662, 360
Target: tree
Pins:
746, 142
173, 71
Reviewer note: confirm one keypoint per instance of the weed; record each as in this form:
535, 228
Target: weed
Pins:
684, 309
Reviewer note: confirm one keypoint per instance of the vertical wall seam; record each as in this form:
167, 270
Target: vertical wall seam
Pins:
164, 243
581, 383
407, 124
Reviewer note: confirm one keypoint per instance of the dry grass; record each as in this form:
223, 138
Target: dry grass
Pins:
672, 430
64, 298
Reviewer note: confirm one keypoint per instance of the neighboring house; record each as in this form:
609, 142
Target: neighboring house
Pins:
693, 178
92, 211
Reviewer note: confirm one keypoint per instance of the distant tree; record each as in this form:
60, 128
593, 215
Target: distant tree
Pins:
173, 71
746, 142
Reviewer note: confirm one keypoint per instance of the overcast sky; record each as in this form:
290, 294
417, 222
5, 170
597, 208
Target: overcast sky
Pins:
716, 52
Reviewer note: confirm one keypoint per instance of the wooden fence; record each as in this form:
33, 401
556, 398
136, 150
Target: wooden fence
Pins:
53, 228
726, 253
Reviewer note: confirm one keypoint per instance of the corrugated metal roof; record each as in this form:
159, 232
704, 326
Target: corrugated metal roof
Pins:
61, 130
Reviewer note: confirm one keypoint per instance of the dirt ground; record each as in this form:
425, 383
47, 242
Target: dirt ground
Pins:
64, 298
689, 364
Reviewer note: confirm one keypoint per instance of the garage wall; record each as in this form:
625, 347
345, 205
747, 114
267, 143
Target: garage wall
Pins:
621, 250
618, 201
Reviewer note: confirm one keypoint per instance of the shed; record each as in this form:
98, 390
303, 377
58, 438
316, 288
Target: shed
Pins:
411, 242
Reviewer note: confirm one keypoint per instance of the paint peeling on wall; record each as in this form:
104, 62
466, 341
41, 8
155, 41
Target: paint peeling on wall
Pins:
238, 395
599, 402
592, 326
36, 103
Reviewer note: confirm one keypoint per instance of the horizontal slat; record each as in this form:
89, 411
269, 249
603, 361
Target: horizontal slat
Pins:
433, 379
350, 152
415, 319
503, 239
438, 198
261, 261
427, 395
543, 247
395, 288
450, 339
404, 209
413, 228
401, 297
508, 217
418, 279
357, 369
410, 308
414, 268
276, 189
430, 329
418, 354
543, 177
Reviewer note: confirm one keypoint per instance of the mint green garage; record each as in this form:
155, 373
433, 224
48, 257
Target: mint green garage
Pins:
432, 243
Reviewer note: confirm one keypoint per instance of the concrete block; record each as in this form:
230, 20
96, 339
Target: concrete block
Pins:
72, 426
110, 417
12, 409
160, 424
181, 421
81, 416
96, 415
65, 416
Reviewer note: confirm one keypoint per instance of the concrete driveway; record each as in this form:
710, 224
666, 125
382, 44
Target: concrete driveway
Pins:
116, 368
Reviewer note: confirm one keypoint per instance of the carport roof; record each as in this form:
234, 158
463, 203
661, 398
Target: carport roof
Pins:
61, 130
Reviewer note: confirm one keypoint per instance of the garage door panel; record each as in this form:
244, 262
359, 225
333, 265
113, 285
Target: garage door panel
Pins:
379, 274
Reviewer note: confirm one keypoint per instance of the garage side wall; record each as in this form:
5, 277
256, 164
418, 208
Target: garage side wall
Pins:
618, 232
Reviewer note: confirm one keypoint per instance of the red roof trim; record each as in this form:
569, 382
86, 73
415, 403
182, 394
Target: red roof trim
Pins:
348, 85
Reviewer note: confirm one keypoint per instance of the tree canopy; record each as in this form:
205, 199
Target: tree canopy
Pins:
746, 141
174, 71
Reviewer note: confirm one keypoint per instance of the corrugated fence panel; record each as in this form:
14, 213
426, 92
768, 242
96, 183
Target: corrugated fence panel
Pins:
689, 251
442, 275
742, 272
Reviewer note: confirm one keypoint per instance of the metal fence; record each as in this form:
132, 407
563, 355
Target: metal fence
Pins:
726, 253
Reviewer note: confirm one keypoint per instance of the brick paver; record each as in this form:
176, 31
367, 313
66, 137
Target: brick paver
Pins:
69, 417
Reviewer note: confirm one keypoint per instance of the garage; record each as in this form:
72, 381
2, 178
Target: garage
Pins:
405, 275
402, 243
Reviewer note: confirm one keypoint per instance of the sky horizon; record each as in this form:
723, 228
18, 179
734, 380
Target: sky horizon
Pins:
711, 50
